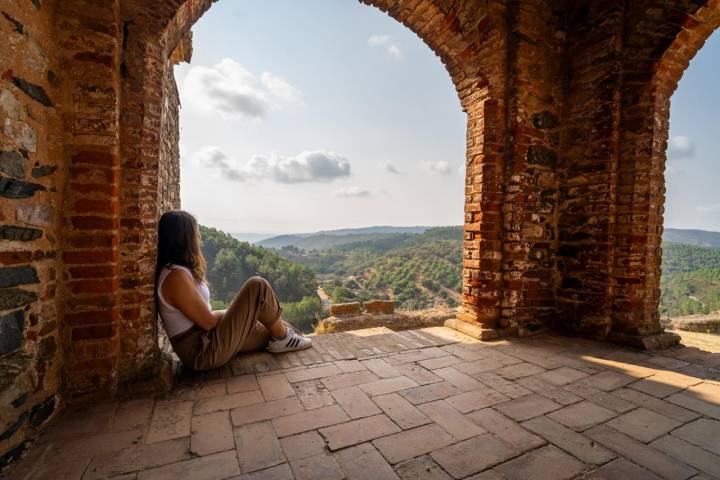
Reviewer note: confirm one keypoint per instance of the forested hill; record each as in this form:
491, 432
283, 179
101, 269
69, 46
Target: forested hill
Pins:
331, 238
420, 270
680, 257
417, 270
690, 281
231, 262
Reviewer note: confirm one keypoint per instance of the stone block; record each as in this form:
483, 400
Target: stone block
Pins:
570, 441
12, 326
546, 463
211, 433
388, 385
658, 341
210, 467
402, 412
257, 447
581, 416
321, 466
452, 421
472, 456
643, 424
170, 421
265, 411
275, 387
505, 429
413, 443
303, 445
364, 462
358, 431
472, 329
310, 420
645, 456
379, 307
355, 403
12, 164
342, 309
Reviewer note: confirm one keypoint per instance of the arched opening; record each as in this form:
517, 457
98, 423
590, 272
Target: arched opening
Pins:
638, 244
155, 159
304, 139
689, 281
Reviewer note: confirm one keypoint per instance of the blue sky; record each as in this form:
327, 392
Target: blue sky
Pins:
692, 175
321, 114
301, 116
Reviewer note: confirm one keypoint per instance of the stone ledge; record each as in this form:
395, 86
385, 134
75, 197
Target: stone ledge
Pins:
702, 323
394, 321
474, 330
657, 341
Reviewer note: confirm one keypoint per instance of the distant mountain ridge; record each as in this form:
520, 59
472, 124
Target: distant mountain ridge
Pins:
332, 238
700, 238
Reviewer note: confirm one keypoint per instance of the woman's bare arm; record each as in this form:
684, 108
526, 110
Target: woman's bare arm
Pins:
179, 291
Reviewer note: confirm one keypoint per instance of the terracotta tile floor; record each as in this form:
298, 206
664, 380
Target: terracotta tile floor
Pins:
428, 403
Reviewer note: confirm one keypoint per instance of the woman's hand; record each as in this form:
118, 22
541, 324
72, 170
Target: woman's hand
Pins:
180, 292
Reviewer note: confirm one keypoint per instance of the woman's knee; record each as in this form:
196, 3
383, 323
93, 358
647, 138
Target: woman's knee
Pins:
257, 282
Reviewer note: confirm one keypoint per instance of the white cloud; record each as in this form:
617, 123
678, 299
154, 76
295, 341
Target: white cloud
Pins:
708, 208
230, 89
385, 42
681, 147
280, 87
394, 51
390, 168
306, 167
442, 167
352, 192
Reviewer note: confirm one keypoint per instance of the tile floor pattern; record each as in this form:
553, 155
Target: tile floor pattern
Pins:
421, 404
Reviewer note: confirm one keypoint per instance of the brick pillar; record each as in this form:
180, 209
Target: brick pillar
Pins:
90, 41
588, 171
141, 141
643, 129
530, 176
482, 253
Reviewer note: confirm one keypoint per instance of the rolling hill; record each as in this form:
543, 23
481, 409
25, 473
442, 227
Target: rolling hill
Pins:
331, 238
701, 238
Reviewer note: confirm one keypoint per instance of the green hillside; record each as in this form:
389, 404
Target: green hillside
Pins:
330, 238
417, 270
231, 262
321, 241
690, 281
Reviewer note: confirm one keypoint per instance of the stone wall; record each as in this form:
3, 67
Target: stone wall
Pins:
567, 106
32, 173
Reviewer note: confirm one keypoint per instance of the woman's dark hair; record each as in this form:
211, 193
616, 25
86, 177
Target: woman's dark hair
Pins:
179, 244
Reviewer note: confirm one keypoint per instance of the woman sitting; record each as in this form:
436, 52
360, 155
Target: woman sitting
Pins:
203, 338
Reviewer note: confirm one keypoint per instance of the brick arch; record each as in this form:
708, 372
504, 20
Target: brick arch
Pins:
644, 128
437, 26
467, 37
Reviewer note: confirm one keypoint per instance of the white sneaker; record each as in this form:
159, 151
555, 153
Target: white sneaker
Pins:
292, 341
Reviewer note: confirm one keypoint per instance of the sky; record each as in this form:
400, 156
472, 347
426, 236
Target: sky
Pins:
324, 114
692, 174
316, 115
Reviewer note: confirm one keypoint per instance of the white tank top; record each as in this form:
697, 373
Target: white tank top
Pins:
174, 321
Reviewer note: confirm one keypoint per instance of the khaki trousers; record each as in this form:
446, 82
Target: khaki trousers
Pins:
242, 328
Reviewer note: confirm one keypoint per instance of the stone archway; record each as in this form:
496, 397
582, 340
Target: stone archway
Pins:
643, 140
146, 157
